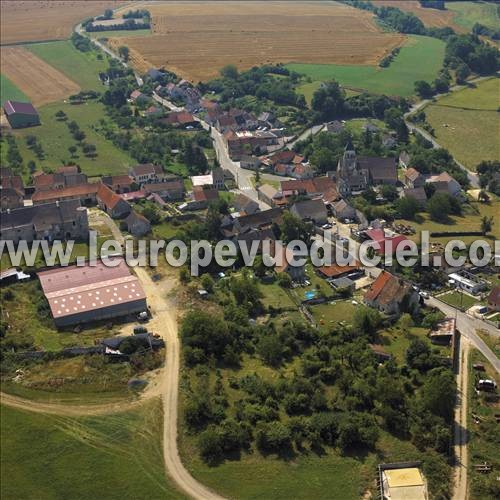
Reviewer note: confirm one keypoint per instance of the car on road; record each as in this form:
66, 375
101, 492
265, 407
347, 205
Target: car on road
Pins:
424, 295
327, 226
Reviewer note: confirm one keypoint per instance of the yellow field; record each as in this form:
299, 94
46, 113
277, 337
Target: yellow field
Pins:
41, 82
37, 20
196, 39
430, 17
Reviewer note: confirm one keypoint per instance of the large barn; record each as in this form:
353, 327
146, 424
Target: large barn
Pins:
81, 294
21, 114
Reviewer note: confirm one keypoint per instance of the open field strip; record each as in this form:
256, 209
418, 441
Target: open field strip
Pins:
197, 39
398, 79
38, 20
34, 77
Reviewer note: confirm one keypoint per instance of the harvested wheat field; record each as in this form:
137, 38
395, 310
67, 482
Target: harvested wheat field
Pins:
40, 20
41, 82
434, 18
196, 39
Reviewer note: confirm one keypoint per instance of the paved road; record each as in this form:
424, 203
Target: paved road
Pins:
315, 129
468, 327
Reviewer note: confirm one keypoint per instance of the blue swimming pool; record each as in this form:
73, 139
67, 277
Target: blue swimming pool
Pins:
310, 295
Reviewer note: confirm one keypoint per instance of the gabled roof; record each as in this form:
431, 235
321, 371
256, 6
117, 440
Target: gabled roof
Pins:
205, 194
285, 157
412, 174
418, 193
494, 296
26, 108
108, 197
310, 209
134, 217
56, 194
146, 169
386, 243
387, 288
42, 215
336, 270
379, 168
117, 180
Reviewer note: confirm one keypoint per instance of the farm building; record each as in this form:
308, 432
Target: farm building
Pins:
21, 114
402, 480
80, 294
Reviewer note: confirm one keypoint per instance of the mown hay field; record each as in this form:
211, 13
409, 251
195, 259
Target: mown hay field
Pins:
467, 123
430, 17
38, 80
197, 39
38, 20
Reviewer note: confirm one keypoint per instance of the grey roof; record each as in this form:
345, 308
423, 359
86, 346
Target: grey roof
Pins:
310, 209
40, 215
379, 168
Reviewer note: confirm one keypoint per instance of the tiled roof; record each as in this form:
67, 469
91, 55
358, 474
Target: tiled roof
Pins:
57, 194
108, 197
386, 289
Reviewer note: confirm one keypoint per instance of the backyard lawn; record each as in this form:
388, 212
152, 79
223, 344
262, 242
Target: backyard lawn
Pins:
55, 139
398, 79
396, 342
331, 313
459, 300
276, 296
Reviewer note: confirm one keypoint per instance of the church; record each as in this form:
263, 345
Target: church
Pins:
355, 174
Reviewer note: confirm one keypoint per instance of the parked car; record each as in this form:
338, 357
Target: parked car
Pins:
140, 329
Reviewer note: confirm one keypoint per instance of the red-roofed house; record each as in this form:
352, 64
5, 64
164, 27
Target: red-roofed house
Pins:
391, 295
86, 193
112, 203
21, 114
387, 244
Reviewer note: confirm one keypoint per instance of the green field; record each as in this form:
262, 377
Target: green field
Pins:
467, 123
81, 67
117, 456
9, 91
55, 139
397, 79
469, 13
118, 33
469, 221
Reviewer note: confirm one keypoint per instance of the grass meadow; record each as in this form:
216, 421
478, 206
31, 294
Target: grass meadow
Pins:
398, 79
9, 91
116, 456
469, 13
82, 67
467, 123
55, 139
